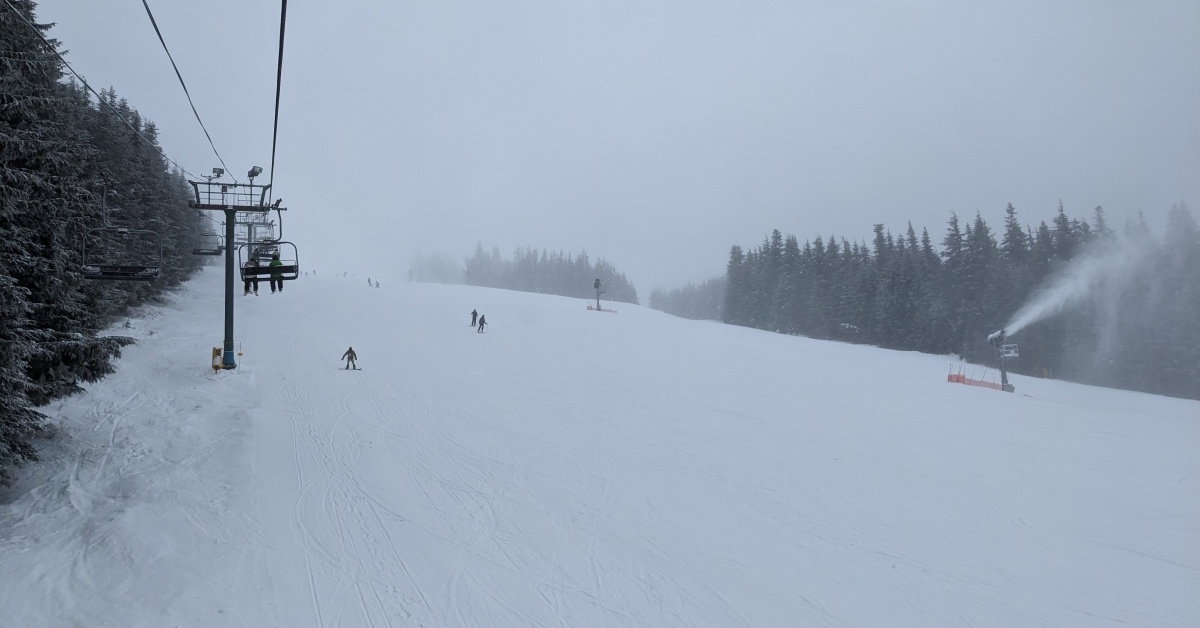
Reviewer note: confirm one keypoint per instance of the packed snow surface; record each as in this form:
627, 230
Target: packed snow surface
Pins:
576, 468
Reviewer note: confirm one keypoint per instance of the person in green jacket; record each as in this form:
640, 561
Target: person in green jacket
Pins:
276, 276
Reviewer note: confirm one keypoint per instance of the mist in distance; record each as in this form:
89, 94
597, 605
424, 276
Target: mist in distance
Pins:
656, 136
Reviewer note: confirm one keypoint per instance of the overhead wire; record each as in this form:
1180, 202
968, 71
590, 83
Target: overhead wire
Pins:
278, 83
99, 98
185, 89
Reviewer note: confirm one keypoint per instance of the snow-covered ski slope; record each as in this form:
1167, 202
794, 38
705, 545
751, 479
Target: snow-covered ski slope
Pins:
572, 468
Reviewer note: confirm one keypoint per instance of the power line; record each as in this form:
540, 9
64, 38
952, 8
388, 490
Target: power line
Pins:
99, 98
278, 83
185, 89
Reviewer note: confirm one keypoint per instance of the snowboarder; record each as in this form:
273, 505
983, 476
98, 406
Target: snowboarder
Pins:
482, 322
276, 276
474, 318
350, 356
251, 278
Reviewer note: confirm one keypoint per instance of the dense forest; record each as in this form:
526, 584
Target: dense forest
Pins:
548, 273
69, 167
1134, 324
699, 302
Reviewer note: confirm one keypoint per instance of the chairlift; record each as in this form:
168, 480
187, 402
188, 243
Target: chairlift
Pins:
123, 254
289, 259
210, 244
264, 249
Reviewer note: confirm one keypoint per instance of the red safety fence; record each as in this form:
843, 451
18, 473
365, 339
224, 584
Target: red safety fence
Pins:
961, 378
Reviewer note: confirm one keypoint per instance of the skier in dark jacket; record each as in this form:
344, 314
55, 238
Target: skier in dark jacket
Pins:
474, 317
482, 322
350, 356
251, 279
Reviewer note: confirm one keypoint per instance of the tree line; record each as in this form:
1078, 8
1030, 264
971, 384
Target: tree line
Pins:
705, 301
1138, 328
64, 157
548, 273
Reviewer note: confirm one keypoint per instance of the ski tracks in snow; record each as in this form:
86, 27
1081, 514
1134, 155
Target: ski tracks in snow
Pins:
572, 471
356, 574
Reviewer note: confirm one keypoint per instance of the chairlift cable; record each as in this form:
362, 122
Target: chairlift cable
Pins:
99, 98
185, 89
278, 83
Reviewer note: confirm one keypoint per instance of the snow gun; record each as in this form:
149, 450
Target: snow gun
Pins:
999, 341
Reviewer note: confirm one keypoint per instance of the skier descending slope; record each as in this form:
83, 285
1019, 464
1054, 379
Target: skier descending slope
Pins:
350, 356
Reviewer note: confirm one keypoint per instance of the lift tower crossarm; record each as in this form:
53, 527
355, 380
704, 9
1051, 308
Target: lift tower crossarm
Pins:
237, 208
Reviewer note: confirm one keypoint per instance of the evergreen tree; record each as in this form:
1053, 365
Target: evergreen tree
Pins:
32, 153
1179, 319
553, 273
702, 302
1065, 237
1140, 329
54, 149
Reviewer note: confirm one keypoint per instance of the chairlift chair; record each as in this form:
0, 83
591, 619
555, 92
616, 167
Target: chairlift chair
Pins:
210, 244
289, 268
115, 261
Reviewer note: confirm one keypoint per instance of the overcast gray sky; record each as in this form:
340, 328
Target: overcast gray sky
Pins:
656, 134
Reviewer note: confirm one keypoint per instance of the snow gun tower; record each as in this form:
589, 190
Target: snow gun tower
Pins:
599, 291
231, 198
1004, 351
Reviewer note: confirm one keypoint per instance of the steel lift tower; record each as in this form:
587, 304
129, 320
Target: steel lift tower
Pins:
231, 198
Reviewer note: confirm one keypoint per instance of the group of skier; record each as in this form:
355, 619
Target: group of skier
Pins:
252, 276
478, 322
